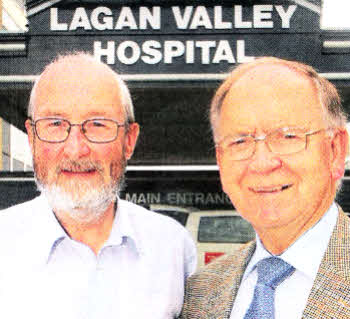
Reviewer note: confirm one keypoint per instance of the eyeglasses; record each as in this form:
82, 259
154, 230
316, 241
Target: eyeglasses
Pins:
283, 141
56, 130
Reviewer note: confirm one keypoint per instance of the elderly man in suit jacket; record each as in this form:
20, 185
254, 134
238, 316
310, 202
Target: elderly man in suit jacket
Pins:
281, 145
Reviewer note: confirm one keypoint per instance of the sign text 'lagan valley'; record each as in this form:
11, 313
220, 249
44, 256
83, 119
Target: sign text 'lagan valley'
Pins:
180, 20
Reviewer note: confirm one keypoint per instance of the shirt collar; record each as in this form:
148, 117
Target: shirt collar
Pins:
122, 230
50, 230
52, 233
306, 253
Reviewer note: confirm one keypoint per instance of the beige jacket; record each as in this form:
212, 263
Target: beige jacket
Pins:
211, 292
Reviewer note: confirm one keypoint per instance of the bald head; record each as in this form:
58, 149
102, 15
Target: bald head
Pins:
326, 92
75, 74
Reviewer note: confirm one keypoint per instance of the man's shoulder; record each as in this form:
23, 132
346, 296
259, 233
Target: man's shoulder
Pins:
20, 212
22, 208
20, 224
155, 228
161, 233
215, 284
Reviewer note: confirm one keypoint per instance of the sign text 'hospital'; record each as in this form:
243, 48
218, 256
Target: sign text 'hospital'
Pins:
171, 40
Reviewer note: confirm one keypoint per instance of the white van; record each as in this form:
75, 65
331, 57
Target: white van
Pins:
215, 232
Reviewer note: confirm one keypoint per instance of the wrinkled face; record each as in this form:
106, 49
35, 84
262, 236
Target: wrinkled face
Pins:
78, 167
272, 190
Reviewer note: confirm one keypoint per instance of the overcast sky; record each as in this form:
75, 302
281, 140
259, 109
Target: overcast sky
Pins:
336, 14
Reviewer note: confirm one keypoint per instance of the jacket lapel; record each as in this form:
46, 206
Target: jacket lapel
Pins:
330, 294
221, 301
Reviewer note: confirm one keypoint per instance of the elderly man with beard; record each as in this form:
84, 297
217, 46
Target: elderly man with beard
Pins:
77, 250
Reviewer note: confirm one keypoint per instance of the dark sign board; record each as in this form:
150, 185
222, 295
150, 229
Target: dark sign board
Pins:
193, 190
186, 37
198, 190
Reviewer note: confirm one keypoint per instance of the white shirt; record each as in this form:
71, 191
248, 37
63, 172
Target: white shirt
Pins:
305, 255
139, 272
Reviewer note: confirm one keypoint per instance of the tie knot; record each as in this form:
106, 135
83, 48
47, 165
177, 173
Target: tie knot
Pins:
272, 271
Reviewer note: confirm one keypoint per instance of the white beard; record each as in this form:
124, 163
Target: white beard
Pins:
83, 202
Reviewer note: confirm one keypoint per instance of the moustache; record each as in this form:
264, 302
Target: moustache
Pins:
79, 166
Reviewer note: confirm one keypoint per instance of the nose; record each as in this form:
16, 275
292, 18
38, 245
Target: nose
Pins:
263, 160
76, 145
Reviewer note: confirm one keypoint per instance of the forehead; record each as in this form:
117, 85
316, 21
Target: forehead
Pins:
82, 88
269, 97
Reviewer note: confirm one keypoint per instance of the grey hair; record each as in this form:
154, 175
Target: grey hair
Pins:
125, 94
328, 95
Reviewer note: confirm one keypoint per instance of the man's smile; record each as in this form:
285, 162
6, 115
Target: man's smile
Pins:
66, 171
270, 189
82, 173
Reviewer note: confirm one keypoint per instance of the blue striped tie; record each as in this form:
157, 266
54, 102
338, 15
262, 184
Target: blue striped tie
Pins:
271, 272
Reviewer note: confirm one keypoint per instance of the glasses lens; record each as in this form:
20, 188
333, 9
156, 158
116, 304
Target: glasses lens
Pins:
286, 141
100, 130
239, 147
52, 129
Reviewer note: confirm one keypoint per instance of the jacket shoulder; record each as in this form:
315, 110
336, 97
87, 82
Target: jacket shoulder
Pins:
224, 266
213, 289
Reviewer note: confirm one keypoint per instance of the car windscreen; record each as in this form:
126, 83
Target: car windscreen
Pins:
224, 229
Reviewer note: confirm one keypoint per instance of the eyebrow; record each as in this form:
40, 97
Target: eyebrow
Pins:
95, 113
253, 133
53, 114
239, 133
65, 115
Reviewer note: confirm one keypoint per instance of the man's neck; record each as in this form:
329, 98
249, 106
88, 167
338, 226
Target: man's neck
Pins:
277, 240
93, 234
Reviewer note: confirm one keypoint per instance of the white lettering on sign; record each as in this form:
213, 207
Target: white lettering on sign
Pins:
108, 52
218, 21
143, 198
262, 16
239, 22
151, 18
169, 51
193, 199
187, 18
192, 18
173, 49
152, 52
80, 20
151, 49
201, 19
126, 20
205, 47
179, 199
182, 20
54, 24
102, 18
286, 15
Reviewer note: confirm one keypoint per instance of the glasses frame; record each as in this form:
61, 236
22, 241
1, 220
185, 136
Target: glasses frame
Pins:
34, 124
264, 136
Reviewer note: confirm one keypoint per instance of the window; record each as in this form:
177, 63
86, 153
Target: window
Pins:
224, 229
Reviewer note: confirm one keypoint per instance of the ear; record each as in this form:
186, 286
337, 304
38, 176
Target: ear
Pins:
340, 143
218, 153
131, 139
30, 132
